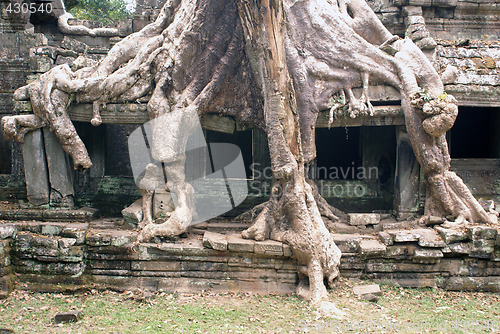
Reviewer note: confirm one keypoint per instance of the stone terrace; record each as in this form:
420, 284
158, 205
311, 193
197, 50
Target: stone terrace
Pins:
51, 256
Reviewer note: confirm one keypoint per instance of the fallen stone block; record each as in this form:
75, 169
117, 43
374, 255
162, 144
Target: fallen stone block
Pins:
133, 213
373, 289
363, 219
215, 241
369, 298
67, 317
432, 220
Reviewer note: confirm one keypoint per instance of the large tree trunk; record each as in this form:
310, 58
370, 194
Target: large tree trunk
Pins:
274, 65
291, 215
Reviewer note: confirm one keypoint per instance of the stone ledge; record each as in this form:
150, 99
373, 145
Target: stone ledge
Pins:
83, 214
78, 254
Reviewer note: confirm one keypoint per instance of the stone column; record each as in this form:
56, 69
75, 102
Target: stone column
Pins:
47, 170
407, 178
35, 168
61, 183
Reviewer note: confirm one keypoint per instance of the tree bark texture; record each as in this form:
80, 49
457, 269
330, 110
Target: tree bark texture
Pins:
272, 64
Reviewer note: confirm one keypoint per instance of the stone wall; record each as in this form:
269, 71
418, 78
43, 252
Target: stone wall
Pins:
67, 257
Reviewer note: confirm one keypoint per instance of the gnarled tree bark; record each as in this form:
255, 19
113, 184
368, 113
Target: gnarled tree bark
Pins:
273, 65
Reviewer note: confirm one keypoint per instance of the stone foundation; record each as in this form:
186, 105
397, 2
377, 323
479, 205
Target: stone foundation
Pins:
44, 256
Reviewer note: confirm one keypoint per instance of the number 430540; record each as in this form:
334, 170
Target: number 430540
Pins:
26, 8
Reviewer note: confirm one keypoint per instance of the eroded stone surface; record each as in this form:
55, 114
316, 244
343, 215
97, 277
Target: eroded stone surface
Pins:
373, 289
67, 317
215, 241
371, 248
363, 219
450, 235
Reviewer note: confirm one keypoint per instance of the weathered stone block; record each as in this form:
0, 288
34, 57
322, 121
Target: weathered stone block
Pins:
42, 64
35, 168
482, 248
349, 243
76, 231
66, 242
60, 174
156, 265
371, 248
400, 252
482, 233
47, 242
415, 19
386, 238
23, 241
412, 11
430, 238
215, 241
237, 244
491, 284
403, 235
287, 251
363, 219
460, 248
380, 267
74, 45
94, 238
269, 247
60, 60
208, 267
240, 261
450, 235
373, 289
7, 231
120, 238
427, 255
52, 229
133, 213
432, 220
67, 317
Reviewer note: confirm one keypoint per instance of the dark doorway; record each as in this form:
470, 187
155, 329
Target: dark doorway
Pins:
475, 134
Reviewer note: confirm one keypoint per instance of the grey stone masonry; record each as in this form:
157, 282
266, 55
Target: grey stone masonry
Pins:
55, 256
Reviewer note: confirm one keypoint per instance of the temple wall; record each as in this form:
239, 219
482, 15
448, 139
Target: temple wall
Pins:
102, 254
466, 33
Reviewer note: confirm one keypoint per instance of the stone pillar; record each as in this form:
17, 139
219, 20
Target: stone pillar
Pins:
61, 183
407, 178
35, 168
47, 170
